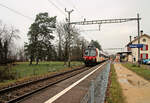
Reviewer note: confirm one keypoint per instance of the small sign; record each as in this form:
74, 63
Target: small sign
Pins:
136, 45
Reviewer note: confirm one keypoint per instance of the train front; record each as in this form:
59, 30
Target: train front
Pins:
90, 56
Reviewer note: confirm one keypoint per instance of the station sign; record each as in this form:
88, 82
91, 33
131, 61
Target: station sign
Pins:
136, 45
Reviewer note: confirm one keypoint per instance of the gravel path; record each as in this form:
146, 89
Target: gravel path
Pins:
135, 88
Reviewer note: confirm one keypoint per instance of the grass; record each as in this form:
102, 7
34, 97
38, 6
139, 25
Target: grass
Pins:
114, 93
142, 71
24, 70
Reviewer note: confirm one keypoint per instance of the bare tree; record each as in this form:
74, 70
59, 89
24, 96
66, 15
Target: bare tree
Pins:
20, 54
63, 42
7, 37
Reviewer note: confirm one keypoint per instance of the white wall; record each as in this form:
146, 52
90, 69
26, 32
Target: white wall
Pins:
135, 50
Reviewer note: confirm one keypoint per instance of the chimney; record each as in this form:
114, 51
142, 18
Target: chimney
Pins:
130, 38
141, 32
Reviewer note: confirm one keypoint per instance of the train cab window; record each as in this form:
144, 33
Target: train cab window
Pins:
86, 52
93, 53
90, 52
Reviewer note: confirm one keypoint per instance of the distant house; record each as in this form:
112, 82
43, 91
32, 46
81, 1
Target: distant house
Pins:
144, 52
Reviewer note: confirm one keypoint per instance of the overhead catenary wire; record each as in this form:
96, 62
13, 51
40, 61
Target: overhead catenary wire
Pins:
74, 6
57, 7
64, 6
71, 3
61, 4
17, 12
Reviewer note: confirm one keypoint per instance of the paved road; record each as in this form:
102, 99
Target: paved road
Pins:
74, 95
135, 88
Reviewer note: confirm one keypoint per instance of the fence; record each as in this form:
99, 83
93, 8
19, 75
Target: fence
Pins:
96, 92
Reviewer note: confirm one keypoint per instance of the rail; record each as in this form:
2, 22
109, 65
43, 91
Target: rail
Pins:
21, 91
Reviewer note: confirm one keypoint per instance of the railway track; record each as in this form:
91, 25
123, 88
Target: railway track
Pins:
19, 92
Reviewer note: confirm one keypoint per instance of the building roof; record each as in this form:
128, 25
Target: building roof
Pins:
137, 39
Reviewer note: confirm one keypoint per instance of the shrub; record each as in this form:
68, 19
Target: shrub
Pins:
6, 73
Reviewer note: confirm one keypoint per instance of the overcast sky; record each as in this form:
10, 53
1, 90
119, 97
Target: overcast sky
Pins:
110, 35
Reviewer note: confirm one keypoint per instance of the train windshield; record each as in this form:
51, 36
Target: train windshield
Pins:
90, 52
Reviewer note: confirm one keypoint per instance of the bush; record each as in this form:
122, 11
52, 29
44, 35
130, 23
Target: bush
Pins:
6, 73
8, 61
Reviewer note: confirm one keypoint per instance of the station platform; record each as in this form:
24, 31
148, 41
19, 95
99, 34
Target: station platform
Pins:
65, 91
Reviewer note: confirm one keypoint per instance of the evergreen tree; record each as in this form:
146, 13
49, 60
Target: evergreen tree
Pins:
96, 44
40, 36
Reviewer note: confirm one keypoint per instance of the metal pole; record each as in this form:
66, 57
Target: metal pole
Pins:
138, 25
69, 38
69, 58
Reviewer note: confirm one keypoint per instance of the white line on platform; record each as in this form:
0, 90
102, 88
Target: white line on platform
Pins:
71, 86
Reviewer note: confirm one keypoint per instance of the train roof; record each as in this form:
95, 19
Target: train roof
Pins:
91, 47
104, 53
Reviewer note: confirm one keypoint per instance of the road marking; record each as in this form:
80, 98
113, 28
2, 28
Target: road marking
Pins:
71, 86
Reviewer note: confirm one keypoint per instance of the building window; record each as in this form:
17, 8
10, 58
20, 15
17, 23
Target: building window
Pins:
145, 47
144, 40
144, 56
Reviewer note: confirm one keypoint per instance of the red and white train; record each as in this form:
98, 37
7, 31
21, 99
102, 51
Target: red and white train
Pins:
93, 56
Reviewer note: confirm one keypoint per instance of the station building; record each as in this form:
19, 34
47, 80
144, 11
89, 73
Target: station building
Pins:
144, 52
